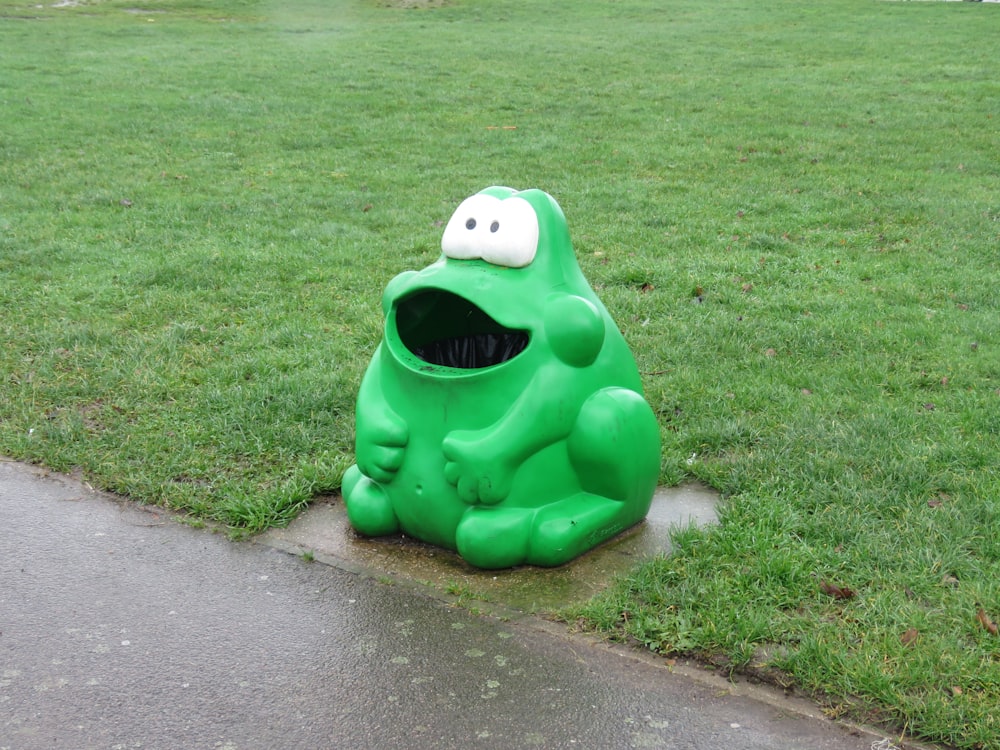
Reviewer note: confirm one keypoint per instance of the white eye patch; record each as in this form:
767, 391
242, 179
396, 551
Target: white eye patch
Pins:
501, 232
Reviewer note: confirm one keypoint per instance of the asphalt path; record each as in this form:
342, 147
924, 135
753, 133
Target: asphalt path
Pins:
122, 628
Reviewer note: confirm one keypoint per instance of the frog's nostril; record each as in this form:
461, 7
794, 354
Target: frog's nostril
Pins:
470, 224
494, 226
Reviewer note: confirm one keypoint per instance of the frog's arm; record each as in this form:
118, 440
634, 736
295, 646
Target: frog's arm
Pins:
481, 463
382, 434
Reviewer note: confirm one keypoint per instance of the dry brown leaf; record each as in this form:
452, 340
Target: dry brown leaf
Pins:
837, 592
909, 637
986, 622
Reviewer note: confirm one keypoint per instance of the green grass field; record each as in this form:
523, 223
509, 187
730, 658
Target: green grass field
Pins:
792, 210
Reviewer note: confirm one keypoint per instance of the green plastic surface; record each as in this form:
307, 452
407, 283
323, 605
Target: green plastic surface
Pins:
502, 414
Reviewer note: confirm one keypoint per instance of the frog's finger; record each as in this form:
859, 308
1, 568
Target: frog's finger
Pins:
382, 462
390, 457
451, 473
468, 487
491, 491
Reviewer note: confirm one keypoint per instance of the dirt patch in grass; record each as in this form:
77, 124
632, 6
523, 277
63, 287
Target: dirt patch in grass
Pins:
411, 3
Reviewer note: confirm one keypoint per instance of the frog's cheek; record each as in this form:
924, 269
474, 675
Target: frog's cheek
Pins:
574, 328
393, 290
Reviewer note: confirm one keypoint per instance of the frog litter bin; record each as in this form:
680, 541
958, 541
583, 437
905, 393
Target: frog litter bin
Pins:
502, 414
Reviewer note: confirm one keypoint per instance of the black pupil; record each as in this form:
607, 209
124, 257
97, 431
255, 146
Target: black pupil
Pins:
494, 226
470, 224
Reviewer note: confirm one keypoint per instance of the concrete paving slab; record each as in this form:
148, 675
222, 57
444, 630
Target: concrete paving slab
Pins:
323, 532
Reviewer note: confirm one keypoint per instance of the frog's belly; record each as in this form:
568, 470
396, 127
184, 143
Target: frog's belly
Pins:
429, 508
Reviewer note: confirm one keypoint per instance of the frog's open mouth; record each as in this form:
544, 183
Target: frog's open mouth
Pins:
445, 329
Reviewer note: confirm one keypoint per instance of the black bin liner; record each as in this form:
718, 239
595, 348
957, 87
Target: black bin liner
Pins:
445, 329
471, 352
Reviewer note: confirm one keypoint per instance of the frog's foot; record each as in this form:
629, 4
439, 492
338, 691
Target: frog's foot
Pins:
368, 507
615, 450
573, 525
494, 537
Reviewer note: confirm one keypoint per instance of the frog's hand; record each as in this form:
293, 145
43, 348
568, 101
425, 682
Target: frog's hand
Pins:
479, 474
382, 436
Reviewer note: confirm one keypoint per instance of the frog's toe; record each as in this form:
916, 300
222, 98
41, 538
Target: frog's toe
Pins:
491, 537
368, 507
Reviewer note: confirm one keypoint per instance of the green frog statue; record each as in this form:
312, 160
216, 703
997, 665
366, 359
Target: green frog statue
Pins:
502, 415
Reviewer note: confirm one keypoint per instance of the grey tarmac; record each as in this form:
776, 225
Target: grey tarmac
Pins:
121, 628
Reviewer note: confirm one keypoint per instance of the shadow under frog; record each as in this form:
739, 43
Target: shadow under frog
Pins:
502, 415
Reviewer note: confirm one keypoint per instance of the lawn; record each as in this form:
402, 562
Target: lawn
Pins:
792, 210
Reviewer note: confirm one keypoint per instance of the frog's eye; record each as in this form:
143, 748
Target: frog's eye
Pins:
502, 232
